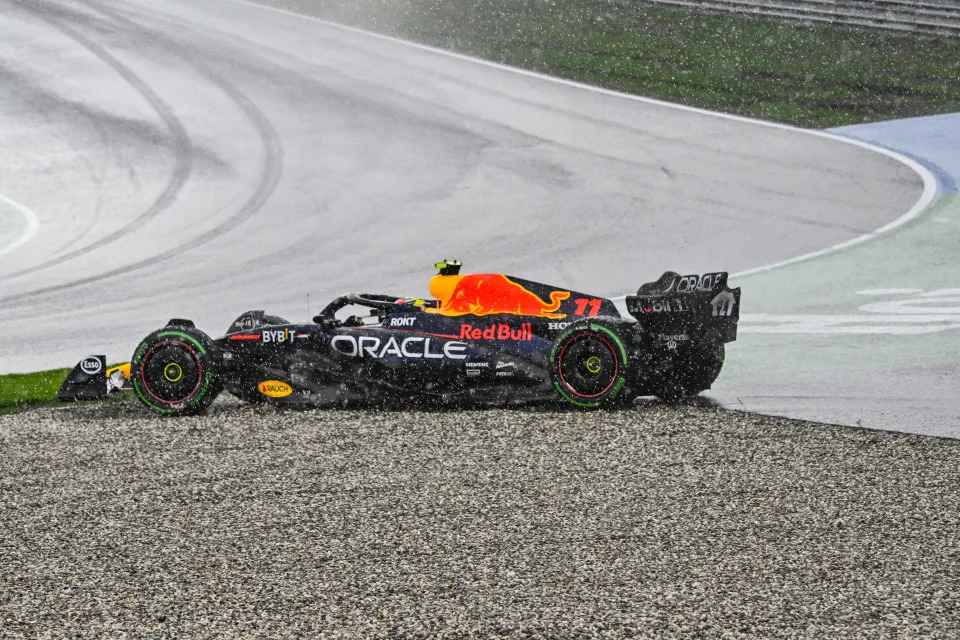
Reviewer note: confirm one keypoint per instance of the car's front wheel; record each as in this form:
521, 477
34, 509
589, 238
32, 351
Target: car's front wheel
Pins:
174, 372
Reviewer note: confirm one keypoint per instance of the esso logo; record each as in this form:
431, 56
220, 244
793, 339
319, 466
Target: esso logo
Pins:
91, 366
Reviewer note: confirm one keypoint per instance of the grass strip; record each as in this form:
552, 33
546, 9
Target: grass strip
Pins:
811, 76
21, 390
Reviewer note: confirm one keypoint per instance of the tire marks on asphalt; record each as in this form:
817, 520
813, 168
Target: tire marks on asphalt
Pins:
56, 17
272, 159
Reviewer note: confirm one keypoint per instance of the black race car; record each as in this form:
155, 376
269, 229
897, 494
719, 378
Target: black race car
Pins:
484, 339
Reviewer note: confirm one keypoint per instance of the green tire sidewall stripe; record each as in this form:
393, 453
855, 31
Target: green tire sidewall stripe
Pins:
143, 398
185, 337
613, 336
559, 342
615, 390
566, 396
207, 378
595, 327
203, 390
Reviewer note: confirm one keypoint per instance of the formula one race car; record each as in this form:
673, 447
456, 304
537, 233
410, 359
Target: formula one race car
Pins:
486, 339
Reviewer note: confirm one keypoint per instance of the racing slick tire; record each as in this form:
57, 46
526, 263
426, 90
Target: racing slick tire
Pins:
693, 373
174, 371
588, 365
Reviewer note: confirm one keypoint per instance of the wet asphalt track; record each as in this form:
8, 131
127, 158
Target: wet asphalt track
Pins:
196, 159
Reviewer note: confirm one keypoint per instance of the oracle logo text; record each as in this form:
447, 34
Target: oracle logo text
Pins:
412, 347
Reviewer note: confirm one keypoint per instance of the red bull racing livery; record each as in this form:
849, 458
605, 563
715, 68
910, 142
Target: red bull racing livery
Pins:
482, 339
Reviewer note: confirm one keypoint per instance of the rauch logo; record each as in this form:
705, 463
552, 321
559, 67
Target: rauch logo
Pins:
275, 388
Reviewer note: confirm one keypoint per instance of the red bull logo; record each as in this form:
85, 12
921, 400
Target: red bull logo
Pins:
497, 332
484, 294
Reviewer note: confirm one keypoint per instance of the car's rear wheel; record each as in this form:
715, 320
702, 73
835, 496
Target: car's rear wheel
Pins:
173, 371
588, 365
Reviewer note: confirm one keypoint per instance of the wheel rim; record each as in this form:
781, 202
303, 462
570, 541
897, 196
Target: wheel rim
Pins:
171, 372
593, 365
588, 365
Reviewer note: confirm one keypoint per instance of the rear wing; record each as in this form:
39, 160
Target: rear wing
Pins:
701, 306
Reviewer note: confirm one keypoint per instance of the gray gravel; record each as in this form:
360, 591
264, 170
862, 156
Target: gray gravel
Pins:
660, 522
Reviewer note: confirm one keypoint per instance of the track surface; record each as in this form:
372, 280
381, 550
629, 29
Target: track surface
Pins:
867, 336
200, 158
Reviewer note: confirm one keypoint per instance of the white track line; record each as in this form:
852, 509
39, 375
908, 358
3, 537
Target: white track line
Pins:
33, 225
929, 192
929, 182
